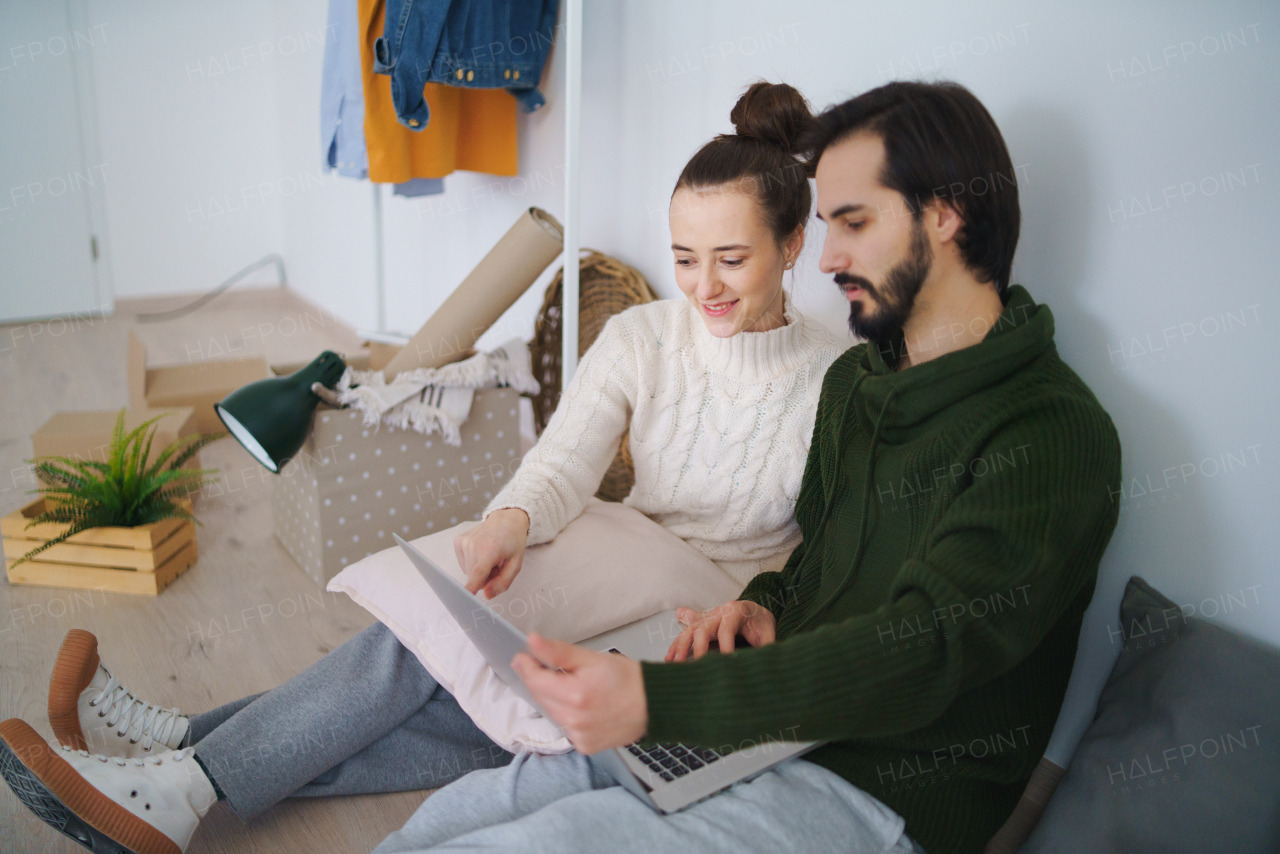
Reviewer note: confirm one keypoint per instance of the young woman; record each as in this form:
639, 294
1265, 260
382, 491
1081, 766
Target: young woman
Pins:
718, 390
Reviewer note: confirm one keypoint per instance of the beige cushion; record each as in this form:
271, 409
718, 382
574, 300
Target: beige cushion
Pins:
610, 566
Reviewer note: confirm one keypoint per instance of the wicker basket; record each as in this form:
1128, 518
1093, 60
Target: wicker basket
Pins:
607, 286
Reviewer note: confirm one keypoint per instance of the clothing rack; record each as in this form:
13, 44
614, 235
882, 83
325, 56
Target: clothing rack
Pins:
572, 141
572, 144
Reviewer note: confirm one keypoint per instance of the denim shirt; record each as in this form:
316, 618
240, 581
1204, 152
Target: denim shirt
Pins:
480, 44
342, 94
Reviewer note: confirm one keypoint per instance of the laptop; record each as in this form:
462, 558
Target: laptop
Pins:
667, 777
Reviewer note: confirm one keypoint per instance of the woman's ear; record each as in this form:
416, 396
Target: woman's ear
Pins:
792, 246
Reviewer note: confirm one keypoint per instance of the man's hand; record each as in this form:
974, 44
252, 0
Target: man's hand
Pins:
598, 699
754, 622
491, 553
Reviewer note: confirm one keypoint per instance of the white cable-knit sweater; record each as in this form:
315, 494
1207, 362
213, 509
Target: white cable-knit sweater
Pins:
720, 430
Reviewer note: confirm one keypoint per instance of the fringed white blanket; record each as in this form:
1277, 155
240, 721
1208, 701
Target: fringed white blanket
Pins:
430, 399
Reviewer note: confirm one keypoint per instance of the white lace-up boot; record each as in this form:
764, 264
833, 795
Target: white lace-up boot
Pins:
107, 803
90, 710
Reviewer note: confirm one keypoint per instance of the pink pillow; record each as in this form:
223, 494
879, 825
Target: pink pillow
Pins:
609, 567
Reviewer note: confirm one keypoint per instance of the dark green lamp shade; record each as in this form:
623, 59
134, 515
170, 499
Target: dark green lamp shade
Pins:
271, 417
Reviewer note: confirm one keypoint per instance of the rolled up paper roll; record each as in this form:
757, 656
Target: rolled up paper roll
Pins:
505, 273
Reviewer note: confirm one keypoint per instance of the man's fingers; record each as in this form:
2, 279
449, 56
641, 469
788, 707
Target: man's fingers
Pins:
675, 652
546, 687
702, 638
556, 653
552, 689
680, 646
762, 635
528, 668
760, 628
541, 682
688, 616
728, 631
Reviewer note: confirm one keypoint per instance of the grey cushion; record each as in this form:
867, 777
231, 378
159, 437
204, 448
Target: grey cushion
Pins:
1184, 754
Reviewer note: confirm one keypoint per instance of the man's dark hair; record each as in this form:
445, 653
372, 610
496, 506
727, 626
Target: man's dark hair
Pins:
939, 143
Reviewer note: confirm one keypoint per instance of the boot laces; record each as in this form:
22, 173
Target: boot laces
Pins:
139, 761
149, 723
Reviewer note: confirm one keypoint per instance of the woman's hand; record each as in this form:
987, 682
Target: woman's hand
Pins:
754, 622
490, 554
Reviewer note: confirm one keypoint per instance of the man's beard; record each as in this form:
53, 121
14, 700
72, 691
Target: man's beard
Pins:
896, 296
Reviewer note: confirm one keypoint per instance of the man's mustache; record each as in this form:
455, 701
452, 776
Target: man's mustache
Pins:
844, 279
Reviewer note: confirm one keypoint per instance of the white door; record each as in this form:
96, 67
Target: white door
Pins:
49, 180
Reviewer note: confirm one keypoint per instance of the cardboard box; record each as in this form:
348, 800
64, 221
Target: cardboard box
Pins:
358, 361
351, 486
199, 384
86, 435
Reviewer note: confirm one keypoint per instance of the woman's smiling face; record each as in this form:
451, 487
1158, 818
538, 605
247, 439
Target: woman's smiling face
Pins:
727, 261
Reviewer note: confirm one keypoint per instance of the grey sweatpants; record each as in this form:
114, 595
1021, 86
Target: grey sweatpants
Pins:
563, 804
365, 718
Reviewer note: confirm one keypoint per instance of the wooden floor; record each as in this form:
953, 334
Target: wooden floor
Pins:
201, 642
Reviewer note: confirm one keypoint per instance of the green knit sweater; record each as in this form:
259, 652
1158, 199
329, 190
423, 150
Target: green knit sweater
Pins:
954, 515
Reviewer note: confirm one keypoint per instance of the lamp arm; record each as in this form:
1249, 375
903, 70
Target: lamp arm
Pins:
326, 394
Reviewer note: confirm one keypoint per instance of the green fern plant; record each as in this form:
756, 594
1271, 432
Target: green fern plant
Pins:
123, 491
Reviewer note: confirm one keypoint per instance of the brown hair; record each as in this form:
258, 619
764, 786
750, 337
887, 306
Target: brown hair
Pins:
940, 143
771, 120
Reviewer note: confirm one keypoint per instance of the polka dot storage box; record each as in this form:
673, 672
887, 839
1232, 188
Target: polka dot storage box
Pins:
351, 486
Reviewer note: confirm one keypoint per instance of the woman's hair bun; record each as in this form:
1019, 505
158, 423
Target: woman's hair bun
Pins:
773, 122
774, 113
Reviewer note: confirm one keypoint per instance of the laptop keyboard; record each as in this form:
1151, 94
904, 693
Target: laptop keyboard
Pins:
670, 761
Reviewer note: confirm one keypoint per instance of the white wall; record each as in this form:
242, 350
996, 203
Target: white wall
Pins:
1103, 108
327, 229
189, 139
1096, 136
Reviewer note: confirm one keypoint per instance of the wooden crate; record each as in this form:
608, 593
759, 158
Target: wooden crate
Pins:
141, 560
